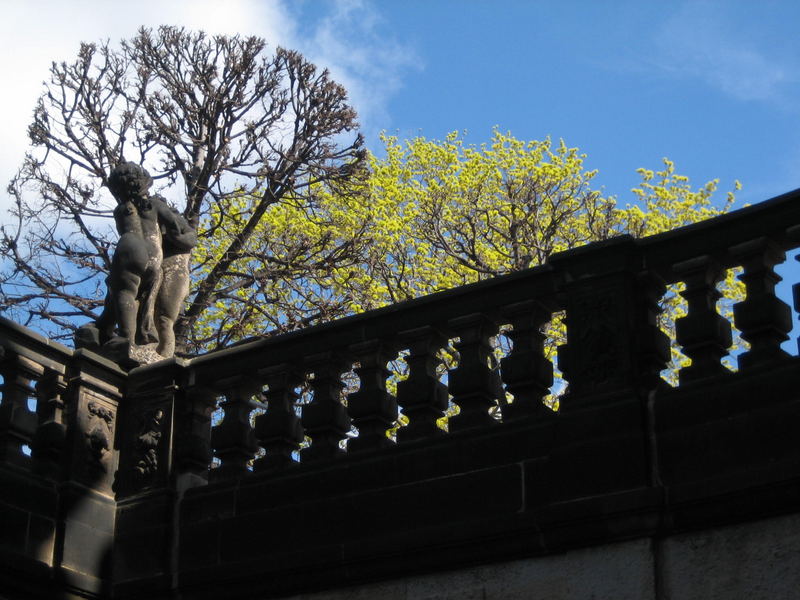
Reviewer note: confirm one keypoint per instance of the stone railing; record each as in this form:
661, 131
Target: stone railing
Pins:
609, 291
308, 472
58, 425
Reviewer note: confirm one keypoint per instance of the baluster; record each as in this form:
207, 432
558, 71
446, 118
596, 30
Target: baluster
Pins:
233, 440
473, 383
279, 430
763, 319
372, 408
193, 434
47, 446
652, 345
704, 334
793, 234
526, 371
17, 422
325, 418
422, 396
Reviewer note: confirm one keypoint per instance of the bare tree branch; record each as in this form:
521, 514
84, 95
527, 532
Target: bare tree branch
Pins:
212, 119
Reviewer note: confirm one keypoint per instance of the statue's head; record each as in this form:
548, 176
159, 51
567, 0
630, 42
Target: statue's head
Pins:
128, 181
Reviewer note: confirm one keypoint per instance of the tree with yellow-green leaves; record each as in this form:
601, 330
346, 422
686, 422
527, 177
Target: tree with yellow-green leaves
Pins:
431, 215
445, 214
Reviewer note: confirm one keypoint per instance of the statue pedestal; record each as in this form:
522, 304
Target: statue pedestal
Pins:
144, 355
117, 349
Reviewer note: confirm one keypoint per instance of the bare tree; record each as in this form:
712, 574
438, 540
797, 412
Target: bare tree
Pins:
211, 118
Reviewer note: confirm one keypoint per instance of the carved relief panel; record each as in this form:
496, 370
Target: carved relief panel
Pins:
95, 457
595, 357
148, 439
99, 434
144, 444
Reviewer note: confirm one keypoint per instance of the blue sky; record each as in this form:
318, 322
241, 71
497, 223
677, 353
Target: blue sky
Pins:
715, 86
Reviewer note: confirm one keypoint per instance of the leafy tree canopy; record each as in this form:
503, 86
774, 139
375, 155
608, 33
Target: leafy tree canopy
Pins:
430, 215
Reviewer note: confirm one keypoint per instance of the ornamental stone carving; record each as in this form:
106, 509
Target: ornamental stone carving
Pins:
147, 443
99, 433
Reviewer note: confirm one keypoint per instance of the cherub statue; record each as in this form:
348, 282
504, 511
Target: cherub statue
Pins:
149, 276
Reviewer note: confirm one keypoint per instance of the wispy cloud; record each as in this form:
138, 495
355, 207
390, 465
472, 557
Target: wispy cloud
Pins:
350, 39
698, 42
31, 39
357, 46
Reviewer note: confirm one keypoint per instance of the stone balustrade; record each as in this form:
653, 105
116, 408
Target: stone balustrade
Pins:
58, 460
610, 293
408, 431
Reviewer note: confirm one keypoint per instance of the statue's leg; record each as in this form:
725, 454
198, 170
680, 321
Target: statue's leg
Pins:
165, 323
125, 278
174, 288
105, 322
147, 329
166, 335
125, 291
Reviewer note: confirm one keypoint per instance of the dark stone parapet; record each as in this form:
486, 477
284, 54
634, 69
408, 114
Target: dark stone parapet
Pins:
327, 469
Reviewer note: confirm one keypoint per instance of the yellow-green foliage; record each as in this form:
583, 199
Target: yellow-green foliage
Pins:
665, 200
443, 214
285, 277
428, 216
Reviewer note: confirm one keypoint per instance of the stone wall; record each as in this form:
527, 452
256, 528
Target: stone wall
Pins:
753, 561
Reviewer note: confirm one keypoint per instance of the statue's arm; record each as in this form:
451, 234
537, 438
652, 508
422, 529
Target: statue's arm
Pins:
166, 216
184, 240
123, 217
177, 230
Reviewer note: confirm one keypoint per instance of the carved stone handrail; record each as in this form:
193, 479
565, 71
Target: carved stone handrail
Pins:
309, 449
609, 291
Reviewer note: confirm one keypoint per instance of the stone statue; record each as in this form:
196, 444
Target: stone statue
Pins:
149, 276
178, 242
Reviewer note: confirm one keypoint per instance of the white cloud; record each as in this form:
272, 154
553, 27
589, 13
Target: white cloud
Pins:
698, 42
351, 42
35, 33
348, 41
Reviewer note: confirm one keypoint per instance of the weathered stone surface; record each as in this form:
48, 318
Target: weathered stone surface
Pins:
611, 572
752, 561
